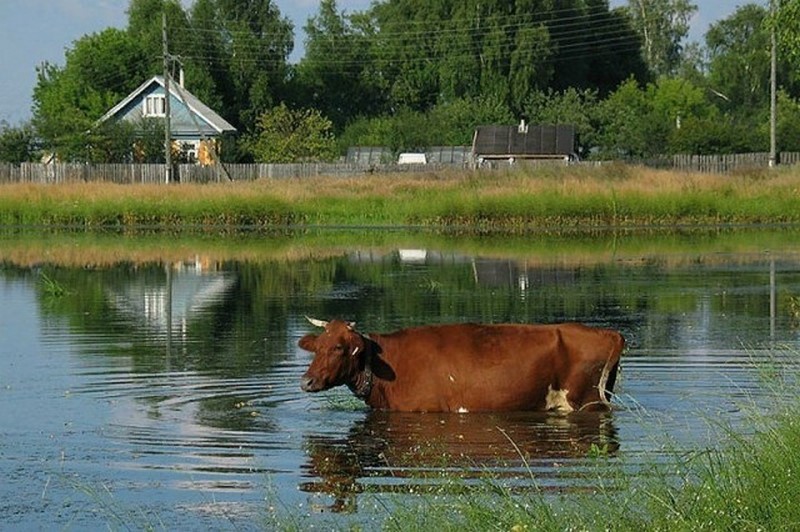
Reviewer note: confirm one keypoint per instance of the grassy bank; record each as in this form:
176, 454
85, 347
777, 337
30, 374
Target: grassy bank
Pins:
607, 196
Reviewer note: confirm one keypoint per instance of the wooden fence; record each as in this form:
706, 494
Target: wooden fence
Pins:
188, 173
722, 164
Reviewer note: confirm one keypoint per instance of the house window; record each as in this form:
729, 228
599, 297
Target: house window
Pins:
189, 151
154, 105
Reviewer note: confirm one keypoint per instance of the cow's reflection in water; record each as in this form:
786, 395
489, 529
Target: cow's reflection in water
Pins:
408, 452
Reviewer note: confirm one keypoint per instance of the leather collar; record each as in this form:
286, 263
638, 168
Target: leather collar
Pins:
362, 384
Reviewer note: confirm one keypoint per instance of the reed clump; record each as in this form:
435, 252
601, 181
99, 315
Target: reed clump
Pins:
523, 198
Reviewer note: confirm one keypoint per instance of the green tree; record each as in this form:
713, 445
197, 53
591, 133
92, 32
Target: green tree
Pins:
718, 134
335, 76
786, 22
609, 53
111, 142
404, 49
145, 19
285, 135
622, 119
663, 25
788, 123
453, 123
572, 106
450, 123
432, 52
671, 101
100, 69
206, 60
234, 52
148, 141
258, 43
670, 116
409, 131
190, 43
739, 59
17, 144
365, 131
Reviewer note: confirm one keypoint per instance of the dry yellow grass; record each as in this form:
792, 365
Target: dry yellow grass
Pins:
572, 180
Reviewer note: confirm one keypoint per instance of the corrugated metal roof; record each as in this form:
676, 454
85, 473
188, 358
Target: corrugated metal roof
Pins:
516, 141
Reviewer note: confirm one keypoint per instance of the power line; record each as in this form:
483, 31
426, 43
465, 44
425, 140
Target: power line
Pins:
572, 42
572, 35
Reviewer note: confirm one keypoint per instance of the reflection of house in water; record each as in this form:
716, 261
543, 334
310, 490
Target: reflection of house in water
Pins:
168, 303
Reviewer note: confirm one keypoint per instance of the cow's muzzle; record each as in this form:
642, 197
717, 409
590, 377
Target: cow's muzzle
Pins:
308, 384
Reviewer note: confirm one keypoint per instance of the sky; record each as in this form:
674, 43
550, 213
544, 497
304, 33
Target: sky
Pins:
34, 31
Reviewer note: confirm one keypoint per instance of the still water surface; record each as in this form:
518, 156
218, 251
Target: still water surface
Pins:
168, 396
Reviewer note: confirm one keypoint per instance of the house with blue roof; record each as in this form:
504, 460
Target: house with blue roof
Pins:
195, 128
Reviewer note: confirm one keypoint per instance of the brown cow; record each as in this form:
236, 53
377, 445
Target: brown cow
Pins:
468, 367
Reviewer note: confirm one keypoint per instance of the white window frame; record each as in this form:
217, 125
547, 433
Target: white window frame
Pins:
154, 105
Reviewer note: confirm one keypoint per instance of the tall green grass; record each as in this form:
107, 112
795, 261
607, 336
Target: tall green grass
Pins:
614, 195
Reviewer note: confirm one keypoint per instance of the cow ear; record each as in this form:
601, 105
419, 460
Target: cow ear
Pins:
308, 342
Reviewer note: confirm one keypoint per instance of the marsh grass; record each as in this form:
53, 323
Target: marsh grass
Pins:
103, 505
612, 195
343, 401
51, 287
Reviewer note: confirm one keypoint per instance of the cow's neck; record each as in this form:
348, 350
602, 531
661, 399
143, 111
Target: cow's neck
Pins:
363, 381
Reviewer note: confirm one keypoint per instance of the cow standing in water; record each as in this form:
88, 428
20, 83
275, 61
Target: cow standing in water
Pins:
468, 367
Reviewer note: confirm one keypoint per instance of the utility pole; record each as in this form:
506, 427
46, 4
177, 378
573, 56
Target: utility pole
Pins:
773, 89
167, 136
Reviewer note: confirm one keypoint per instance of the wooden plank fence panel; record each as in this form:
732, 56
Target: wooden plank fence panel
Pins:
185, 173
729, 162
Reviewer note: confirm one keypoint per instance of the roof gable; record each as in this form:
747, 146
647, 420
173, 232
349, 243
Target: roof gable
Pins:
204, 113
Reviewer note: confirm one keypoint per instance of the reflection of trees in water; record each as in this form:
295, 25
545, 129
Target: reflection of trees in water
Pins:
390, 452
253, 324
382, 292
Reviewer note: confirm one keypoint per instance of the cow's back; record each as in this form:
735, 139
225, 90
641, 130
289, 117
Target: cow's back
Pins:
468, 367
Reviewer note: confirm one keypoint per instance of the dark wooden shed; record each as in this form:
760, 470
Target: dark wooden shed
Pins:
523, 142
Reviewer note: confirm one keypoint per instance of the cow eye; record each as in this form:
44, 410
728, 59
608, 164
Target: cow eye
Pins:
339, 348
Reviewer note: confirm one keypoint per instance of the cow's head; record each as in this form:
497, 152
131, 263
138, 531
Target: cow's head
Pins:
338, 354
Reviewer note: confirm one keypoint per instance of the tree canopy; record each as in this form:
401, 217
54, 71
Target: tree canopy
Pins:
407, 74
285, 135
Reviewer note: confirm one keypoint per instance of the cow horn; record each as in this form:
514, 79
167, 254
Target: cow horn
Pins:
317, 323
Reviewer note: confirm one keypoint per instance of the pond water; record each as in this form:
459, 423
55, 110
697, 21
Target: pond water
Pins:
166, 394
